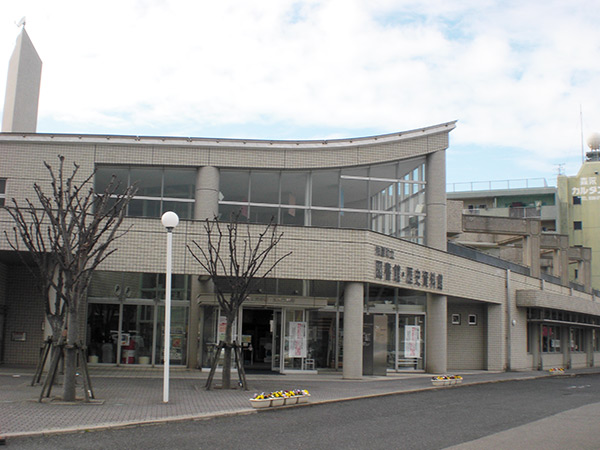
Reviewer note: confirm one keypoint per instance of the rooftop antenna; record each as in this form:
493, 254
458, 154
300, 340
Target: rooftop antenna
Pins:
560, 169
21, 23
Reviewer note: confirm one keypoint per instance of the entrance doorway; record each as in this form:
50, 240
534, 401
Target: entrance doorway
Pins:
257, 339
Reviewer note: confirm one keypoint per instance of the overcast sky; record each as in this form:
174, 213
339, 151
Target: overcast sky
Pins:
514, 74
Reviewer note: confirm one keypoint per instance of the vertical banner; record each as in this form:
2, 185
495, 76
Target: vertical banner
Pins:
297, 339
412, 341
222, 328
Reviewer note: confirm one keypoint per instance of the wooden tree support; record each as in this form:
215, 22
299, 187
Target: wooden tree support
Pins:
44, 352
81, 366
238, 363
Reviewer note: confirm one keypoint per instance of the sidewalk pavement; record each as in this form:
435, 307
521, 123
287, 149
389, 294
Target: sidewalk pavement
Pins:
133, 396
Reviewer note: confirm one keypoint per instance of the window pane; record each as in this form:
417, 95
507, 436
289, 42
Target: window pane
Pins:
384, 171
144, 208
227, 213
292, 216
148, 181
324, 218
180, 183
182, 209
234, 185
325, 190
264, 187
354, 194
2, 186
353, 220
293, 188
103, 177
262, 214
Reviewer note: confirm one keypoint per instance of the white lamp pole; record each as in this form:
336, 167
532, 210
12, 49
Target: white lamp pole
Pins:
169, 221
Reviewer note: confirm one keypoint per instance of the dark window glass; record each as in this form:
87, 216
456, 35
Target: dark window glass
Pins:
325, 189
264, 187
148, 182
104, 175
577, 225
180, 183
234, 185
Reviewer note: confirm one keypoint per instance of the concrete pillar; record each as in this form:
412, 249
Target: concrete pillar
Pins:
436, 343
207, 193
435, 197
198, 287
565, 345
496, 347
588, 335
535, 339
531, 248
353, 331
585, 270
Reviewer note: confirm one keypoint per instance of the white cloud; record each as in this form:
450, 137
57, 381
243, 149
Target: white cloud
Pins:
513, 73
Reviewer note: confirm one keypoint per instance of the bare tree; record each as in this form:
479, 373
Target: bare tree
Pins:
235, 262
67, 234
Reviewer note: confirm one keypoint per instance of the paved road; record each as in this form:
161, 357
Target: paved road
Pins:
519, 414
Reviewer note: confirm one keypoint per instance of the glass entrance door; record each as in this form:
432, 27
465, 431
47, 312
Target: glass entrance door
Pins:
406, 342
103, 332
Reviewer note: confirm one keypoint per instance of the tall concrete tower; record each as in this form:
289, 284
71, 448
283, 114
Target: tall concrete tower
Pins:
22, 88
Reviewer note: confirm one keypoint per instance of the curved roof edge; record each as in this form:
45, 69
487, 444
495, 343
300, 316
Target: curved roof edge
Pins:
228, 142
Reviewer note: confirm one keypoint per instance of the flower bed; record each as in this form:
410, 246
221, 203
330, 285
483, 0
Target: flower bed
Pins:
279, 398
446, 380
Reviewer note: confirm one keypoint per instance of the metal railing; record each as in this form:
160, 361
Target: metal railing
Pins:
469, 186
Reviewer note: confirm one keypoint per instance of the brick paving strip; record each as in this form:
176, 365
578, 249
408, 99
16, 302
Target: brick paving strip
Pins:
126, 397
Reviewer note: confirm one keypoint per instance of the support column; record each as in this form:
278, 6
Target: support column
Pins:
198, 287
563, 257
435, 197
531, 247
496, 348
353, 331
436, 344
565, 345
536, 351
207, 193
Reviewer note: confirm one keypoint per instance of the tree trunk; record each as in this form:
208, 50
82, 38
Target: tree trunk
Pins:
70, 357
226, 380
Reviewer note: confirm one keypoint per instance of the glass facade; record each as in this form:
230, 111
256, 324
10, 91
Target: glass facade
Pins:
158, 189
126, 318
387, 198
126, 310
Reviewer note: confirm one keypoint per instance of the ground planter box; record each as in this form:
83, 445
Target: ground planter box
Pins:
279, 398
446, 380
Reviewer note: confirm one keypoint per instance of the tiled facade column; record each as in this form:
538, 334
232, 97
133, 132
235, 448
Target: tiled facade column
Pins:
353, 331
435, 197
198, 287
206, 206
531, 247
437, 334
207, 193
495, 342
436, 344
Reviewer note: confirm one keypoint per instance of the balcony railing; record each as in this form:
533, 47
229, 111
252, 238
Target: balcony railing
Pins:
469, 186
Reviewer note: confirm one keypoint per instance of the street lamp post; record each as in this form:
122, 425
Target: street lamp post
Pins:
169, 221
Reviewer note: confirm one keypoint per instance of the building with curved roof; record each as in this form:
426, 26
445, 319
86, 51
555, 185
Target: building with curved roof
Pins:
370, 286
